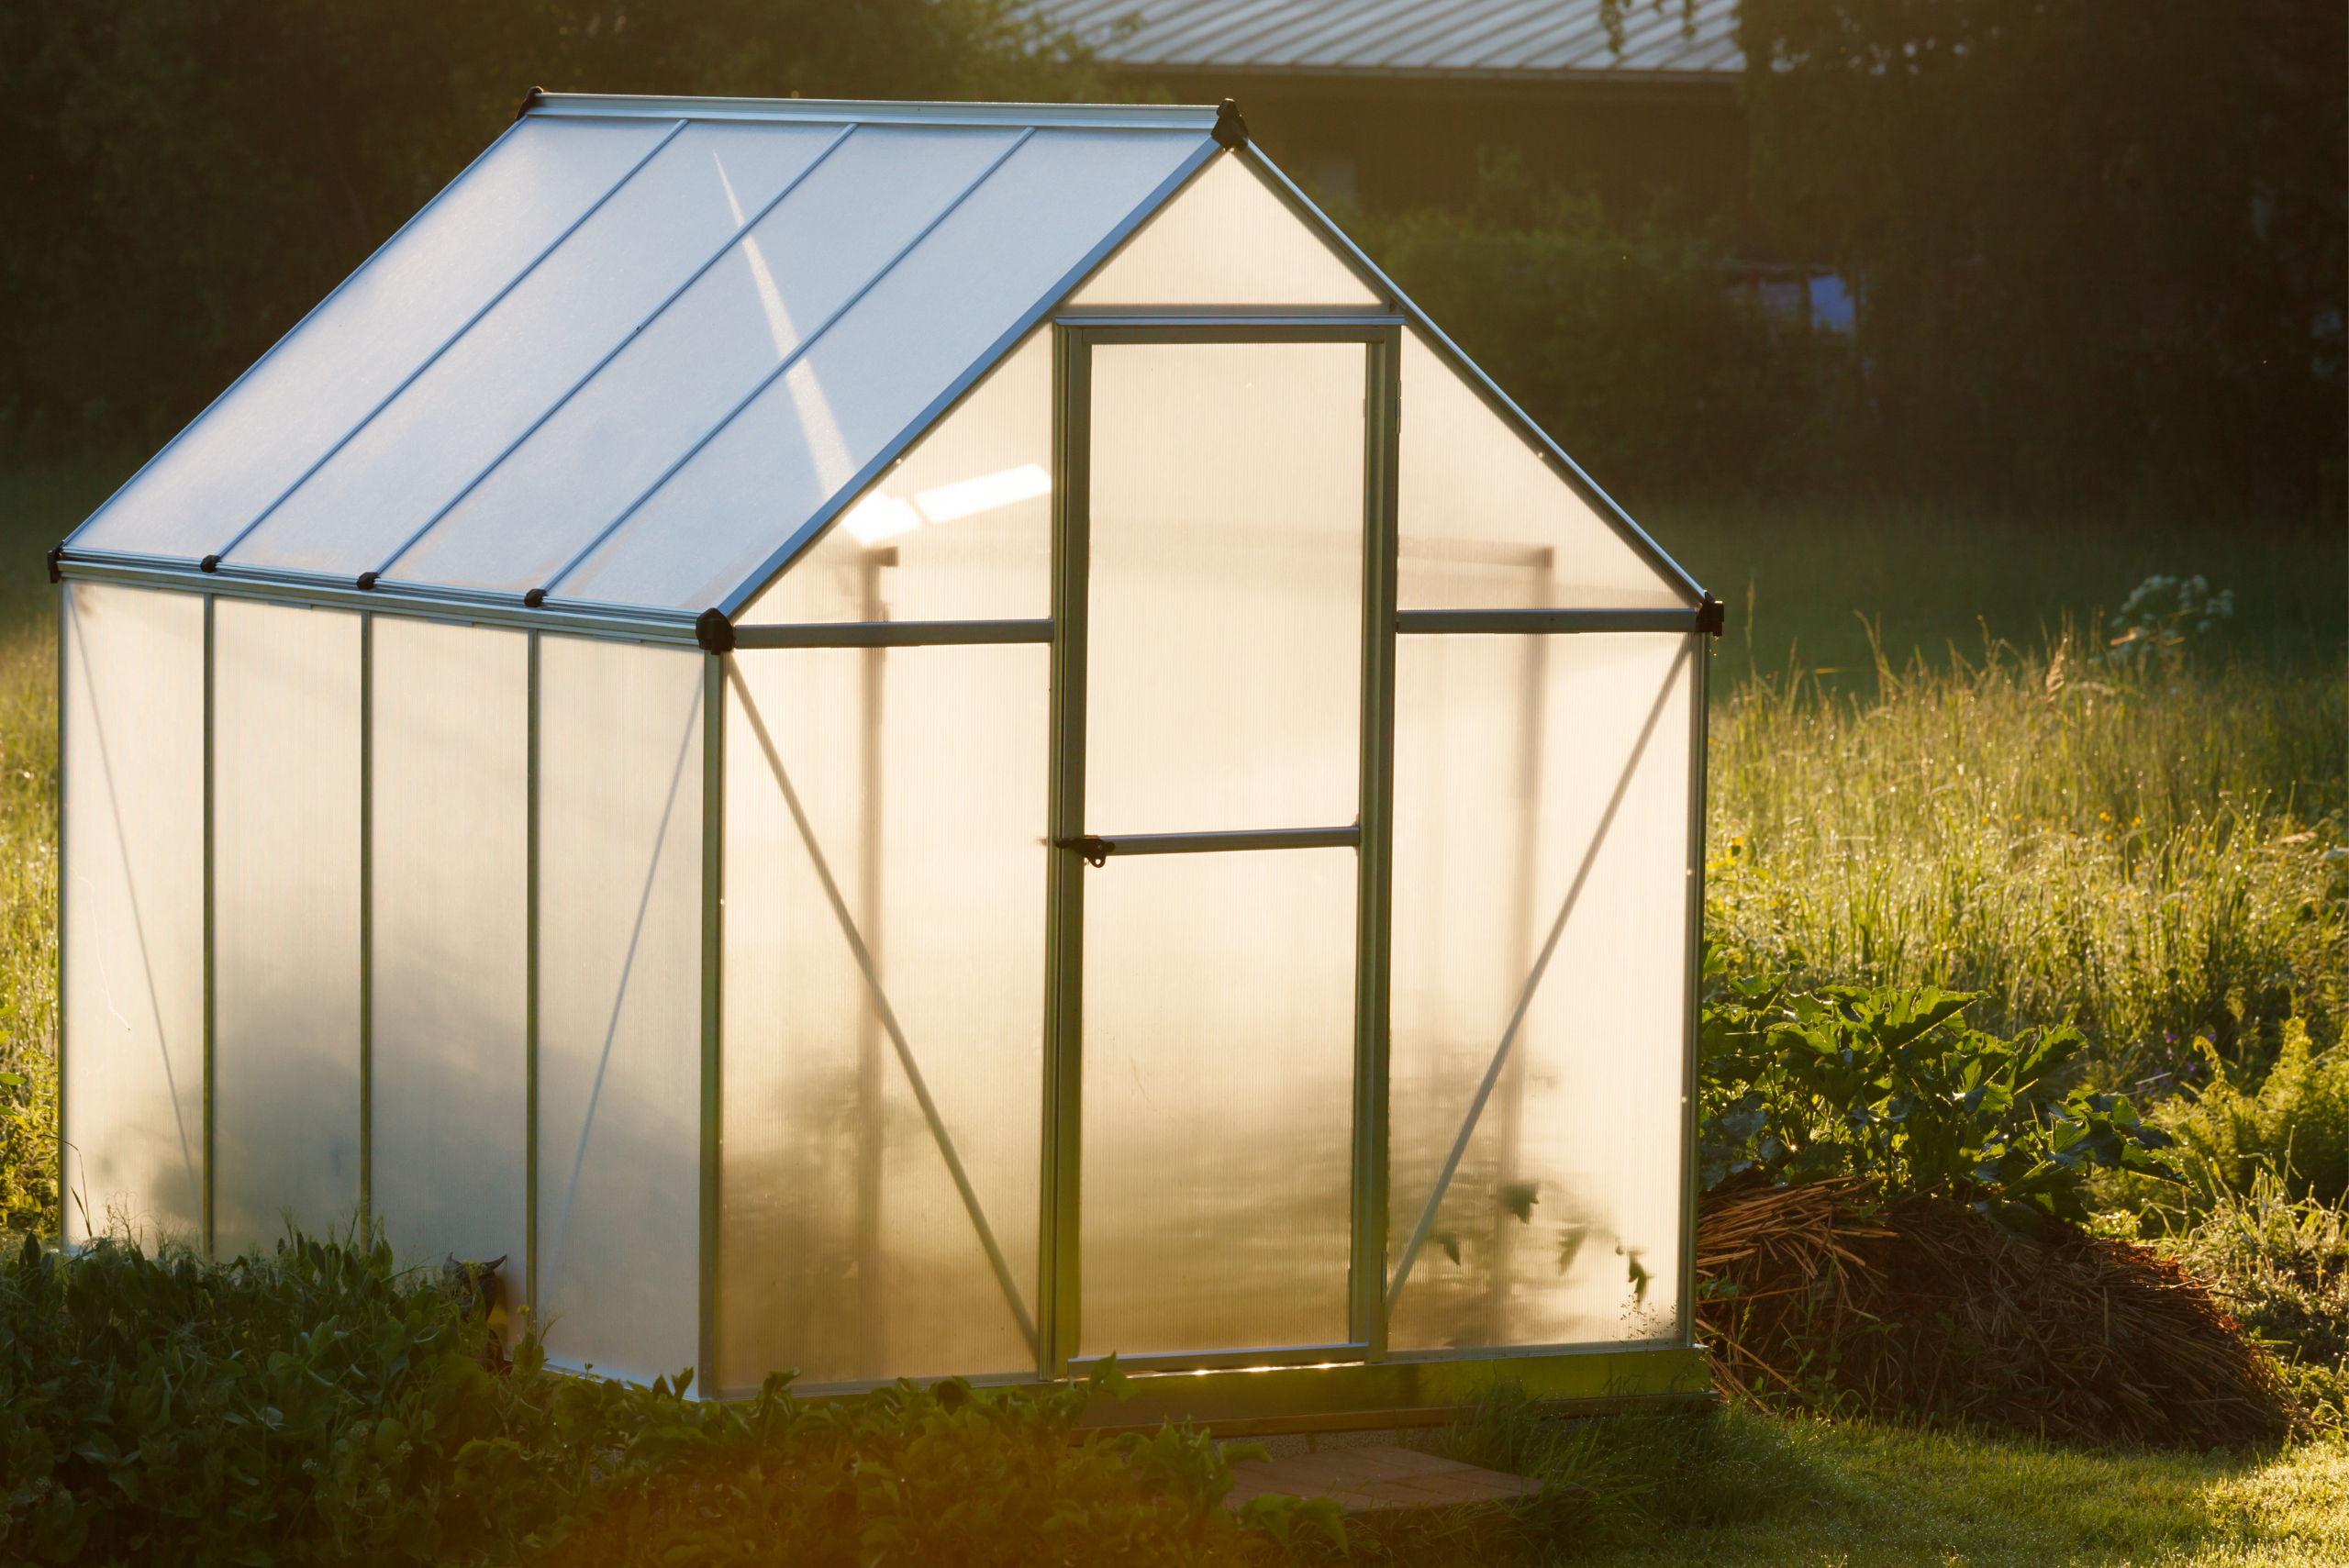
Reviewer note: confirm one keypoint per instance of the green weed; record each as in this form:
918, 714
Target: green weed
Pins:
319, 1405
1800, 1085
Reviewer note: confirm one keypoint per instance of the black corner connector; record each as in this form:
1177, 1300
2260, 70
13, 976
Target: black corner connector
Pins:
534, 598
209, 563
367, 582
529, 101
55, 556
1712, 617
714, 631
1231, 130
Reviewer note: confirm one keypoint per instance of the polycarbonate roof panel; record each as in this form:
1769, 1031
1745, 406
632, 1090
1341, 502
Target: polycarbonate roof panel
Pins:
577, 328
584, 469
1381, 38
356, 348
412, 460
956, 300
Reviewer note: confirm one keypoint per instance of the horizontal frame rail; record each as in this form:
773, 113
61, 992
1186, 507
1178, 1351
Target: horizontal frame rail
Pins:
1425, 622
1097, 848
465, 608
1100, 329
892, 633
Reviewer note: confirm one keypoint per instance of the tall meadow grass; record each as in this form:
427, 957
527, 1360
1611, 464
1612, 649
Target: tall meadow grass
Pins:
2153, 852
28, 863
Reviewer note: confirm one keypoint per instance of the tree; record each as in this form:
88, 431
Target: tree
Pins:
2098, 245
184, 178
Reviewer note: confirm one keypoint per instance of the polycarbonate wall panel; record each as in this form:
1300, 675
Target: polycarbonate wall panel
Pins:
1225, 621
964, 521
133, 894
620, 1004
451, 821
581, 470
1226, 240
1562, 1225
1000, 255
354, 350
1487, 522
285, 922
1218, 1117
847, 1251
510, 368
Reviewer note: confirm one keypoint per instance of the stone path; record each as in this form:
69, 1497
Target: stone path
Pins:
1364, 1478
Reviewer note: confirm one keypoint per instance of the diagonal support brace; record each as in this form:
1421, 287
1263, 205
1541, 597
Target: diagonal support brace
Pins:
1525, 996
887, 1014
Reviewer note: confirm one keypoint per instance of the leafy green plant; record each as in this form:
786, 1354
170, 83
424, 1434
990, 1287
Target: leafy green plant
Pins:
1840, 1080
2294, 1127
320, 1405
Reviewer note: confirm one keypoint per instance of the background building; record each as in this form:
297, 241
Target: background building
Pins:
1387, 103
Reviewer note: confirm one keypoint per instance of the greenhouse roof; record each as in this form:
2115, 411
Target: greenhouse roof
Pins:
638, 355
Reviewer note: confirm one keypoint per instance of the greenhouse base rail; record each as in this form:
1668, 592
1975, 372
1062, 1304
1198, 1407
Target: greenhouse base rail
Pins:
1413, 1389
1392, 1394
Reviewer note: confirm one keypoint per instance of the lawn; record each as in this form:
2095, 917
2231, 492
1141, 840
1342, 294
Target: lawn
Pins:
1853, 1494
2153, 851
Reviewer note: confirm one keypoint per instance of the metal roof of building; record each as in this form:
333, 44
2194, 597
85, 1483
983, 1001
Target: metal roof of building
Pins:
1512, 39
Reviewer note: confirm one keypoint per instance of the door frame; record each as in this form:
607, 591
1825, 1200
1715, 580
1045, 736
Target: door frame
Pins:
1058, 1293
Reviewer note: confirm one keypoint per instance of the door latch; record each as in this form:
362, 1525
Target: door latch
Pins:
1095, 850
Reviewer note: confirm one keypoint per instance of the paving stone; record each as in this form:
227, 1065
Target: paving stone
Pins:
1361, 1479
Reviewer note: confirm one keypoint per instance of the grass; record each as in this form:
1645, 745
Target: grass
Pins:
1853, 1494
1747, 1487
36, 506
1821, 587
2150, 853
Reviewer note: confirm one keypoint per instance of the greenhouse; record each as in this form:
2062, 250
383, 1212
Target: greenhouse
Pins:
899, 740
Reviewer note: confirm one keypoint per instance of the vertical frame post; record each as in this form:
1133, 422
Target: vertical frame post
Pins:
1699, 681
1058, 1295
64, 882
366, 925
713, 873
1382, 407
211, 920
872, 1313
530, 997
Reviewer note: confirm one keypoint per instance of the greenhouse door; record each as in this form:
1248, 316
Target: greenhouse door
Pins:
1220, 484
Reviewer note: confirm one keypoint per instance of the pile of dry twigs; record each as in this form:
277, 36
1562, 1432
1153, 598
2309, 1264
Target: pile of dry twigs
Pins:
1923, 1309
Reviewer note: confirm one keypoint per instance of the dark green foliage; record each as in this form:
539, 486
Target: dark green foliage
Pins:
1623, 340
184, 178
1844, 1080
2097, 245
158, 1409
319, 1407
